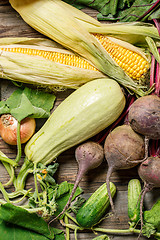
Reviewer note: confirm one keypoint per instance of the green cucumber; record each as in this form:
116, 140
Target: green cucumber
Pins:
134, 193
95, 207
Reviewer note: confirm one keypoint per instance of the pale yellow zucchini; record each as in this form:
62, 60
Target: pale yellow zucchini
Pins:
86, 112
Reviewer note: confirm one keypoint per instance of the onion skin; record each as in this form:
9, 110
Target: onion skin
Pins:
8, 129
144, 116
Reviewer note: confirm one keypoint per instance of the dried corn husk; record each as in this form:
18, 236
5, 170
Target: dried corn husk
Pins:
38, 70
62, 23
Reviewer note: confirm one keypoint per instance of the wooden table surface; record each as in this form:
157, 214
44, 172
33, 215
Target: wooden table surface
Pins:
11, 25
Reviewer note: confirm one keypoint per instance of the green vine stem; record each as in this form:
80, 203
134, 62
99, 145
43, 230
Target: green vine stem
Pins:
72, 218
35, 182
9, 168
11, 173
122, 231
25, 194
75, 233
8, 160
26, 168
5, 194
127, 231
71, 226
67, 229
16, 194
19, 147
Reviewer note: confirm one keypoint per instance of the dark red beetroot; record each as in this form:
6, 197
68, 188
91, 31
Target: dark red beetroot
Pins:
89, 155
123, 149
144, 117
149, 172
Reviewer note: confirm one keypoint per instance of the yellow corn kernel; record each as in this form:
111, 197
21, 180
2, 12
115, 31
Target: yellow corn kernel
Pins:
131, 62
58, 57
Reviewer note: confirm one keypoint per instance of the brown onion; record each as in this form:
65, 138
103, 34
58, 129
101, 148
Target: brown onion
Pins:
8, 129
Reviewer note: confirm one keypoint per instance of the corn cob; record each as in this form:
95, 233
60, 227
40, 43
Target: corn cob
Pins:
58, 57
132, 62
52, 67
60, 22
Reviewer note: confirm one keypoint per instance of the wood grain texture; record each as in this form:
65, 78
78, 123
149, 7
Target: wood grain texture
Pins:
11, 25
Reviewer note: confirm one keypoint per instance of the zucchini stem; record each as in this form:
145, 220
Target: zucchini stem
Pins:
26, 168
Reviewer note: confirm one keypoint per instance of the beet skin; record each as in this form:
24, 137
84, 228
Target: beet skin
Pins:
144, 116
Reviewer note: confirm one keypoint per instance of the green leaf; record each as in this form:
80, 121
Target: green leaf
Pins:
21, 217
155, 15
148, 230
63, 198
138, 9
10, 231
59, 235
23, 110
28, 102
63, 188
103, 6
42, 102
77, 204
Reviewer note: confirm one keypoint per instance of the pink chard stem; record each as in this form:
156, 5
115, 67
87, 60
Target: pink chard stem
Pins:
152, 72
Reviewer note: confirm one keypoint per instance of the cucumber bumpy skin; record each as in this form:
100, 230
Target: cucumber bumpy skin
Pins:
95, 207
134, 193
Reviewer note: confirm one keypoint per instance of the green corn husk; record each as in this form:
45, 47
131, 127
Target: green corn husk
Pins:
38, 70
134, 32
65, 24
